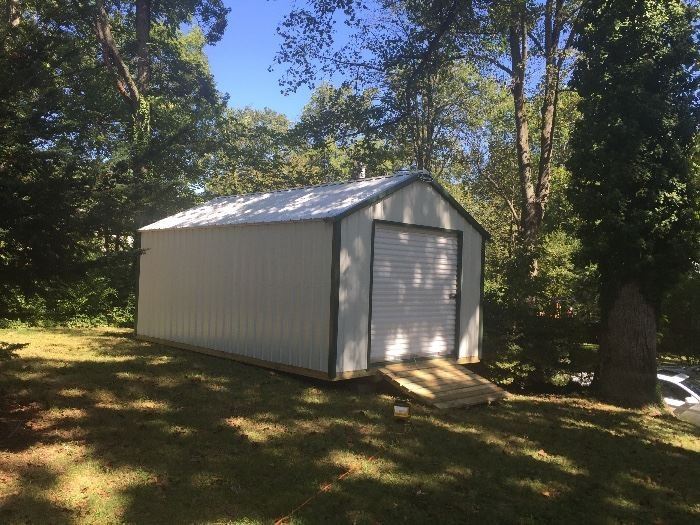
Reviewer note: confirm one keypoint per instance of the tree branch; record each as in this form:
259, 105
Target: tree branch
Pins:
501, 192
125, 82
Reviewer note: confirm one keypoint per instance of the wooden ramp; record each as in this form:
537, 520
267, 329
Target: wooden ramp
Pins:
442, 383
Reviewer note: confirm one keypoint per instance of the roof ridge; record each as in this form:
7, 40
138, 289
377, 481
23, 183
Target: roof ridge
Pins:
325, 184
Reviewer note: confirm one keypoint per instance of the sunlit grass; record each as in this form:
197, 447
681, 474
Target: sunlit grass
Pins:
96, 427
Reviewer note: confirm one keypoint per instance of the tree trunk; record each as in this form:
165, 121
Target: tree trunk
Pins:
553, 22
627, 357
518, 53
143, 33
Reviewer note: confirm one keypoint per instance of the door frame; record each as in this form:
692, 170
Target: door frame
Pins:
458, 304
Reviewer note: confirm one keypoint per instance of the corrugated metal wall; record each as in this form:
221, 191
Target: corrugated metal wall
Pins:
261, 291
417, 203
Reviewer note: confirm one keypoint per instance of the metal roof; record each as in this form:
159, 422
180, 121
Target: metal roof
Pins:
322, 202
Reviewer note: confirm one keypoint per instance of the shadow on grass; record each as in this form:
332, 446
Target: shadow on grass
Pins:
7, 350
179, 437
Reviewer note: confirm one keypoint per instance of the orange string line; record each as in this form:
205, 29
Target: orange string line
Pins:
324, 488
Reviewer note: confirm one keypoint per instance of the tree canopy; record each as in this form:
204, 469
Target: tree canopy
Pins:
633, 182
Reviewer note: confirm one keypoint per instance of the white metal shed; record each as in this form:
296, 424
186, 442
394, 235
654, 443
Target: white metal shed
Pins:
327, 281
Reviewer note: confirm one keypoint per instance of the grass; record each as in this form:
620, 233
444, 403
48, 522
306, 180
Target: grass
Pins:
96, 427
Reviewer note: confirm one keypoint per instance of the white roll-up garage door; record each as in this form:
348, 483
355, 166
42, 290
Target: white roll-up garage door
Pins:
414, 292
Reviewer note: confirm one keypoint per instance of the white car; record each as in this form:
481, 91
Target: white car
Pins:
681, 393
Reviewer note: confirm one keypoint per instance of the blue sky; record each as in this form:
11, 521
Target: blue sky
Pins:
240, 60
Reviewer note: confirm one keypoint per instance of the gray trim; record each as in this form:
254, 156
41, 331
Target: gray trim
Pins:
480, 346
458, 304
334, 303
139, 252
371, 286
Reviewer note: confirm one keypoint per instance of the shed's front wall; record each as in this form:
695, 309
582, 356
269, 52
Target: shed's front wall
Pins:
261, 291
418, 204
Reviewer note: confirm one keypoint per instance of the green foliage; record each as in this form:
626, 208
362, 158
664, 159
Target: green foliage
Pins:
632, 180
536, 328
90, 301
679, 325
70, 200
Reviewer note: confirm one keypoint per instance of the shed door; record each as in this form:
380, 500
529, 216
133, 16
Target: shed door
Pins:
414, 292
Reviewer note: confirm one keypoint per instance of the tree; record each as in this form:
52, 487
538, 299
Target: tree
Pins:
399, 48
254, 153
69, 203
632, 176
133, 83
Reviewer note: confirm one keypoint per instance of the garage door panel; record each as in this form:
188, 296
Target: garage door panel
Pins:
414, 287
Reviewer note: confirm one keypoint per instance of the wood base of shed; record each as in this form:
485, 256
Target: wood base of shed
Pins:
307, 372
316, 374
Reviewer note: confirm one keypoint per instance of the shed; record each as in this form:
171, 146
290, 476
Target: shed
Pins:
330, 281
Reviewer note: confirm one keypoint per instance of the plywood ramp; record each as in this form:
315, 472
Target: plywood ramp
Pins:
442, 383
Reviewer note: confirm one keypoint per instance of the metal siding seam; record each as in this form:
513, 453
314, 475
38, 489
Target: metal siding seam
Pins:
200, 289
217, 314
305, 336
174, 304
196, 290
334, 301
316, 317
245, 301
266, 303
208, 292
240, 297
234, 296
290, 325
311, 316
186, 305
277, 305
162, 289
155, 287
255, 281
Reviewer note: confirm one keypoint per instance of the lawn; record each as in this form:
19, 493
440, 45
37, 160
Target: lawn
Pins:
96, 427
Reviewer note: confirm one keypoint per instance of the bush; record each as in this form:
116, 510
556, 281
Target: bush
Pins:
540, 330
91, 301
679, 324
535, 352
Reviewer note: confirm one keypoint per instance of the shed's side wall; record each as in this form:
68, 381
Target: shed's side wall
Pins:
259, 291
420, 204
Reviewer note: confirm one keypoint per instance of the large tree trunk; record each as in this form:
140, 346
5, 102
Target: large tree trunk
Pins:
627, 368
518, 54
553, 22
143, 33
